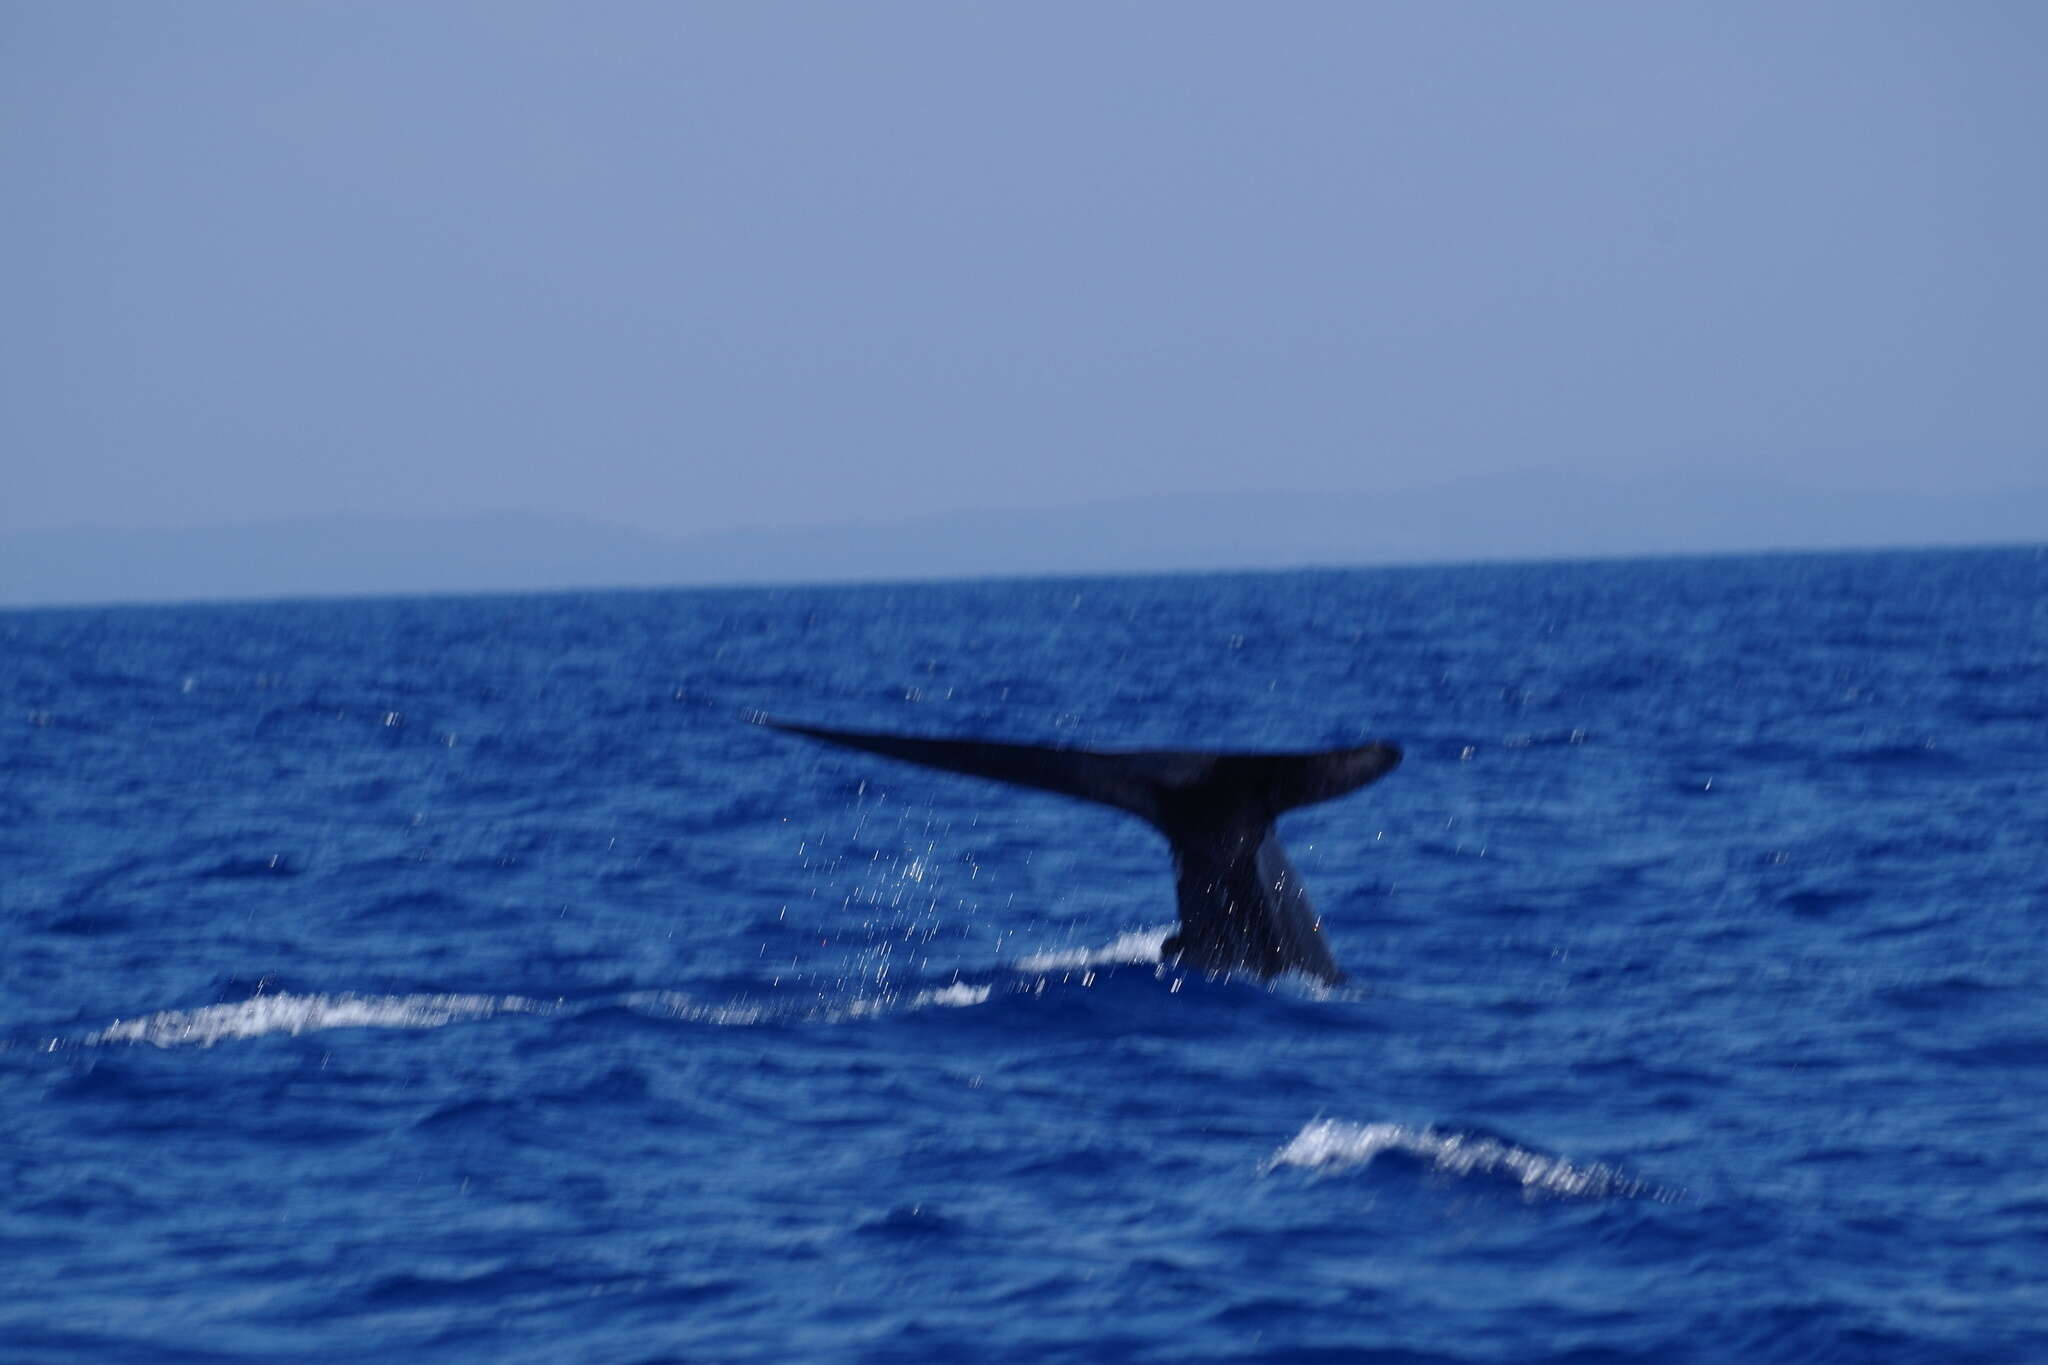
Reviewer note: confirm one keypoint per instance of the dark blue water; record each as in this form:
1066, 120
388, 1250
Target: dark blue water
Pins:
462, 980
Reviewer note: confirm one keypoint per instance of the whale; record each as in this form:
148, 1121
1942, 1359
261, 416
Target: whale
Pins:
1242, 905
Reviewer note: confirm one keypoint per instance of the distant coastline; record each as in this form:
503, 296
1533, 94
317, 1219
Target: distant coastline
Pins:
1531, 516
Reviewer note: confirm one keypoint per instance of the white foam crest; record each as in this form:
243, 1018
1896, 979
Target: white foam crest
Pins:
1331, 1144
742, 1014
959, 995
295, 1014
1140, 945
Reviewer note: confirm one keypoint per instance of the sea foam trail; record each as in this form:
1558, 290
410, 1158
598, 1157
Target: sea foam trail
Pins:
1331, 1144
295, 1014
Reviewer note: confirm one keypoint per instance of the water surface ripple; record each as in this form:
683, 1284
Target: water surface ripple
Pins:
463, 979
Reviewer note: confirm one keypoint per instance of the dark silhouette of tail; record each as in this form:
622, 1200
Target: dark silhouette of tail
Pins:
1241, 902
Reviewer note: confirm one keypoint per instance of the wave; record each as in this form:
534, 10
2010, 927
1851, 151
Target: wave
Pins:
284, 1012
1140, 945
741, 1013
959, 995
1334, 1145
295, 1014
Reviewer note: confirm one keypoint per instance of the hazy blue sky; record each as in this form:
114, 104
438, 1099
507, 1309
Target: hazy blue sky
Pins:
697, 266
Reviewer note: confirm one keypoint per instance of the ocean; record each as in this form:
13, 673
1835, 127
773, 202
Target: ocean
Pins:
466, 979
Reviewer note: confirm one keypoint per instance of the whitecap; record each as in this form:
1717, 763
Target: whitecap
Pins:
296, 1014
959, 995
1140, 945
1331, 1144
956, 996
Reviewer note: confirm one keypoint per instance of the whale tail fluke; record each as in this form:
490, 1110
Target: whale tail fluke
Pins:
1155, 785
1241, 903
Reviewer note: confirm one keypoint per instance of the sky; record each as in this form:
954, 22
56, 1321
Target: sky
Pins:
696, 267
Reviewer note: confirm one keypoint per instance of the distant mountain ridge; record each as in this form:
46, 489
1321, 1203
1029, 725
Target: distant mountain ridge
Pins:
1526, 516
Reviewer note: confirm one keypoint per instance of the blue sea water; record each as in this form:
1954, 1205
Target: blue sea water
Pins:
464, 979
